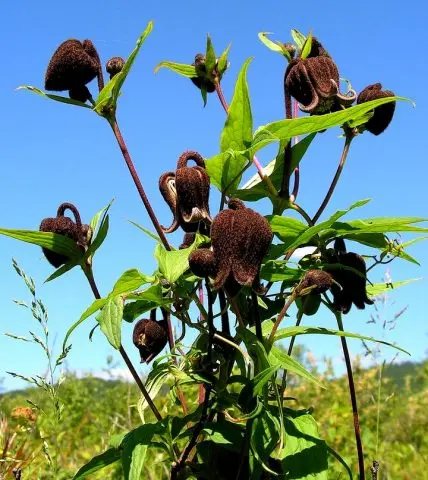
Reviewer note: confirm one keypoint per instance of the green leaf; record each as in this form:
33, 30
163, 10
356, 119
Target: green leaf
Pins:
379, 288
287, 229
285, 129
100, 232
299, 38
130, 281
222, 61
57, 98
210, 56
255, 188
238, 129
108, 96
183, 69
61, 270
97, 463
173, 263
310, 232
110, 320
279, 358
304, 455
306, 50
52, 241
264, 437
94, 307
225, 170
146, 300
275, 47
294, 331
224, 433
261, 379
139, 437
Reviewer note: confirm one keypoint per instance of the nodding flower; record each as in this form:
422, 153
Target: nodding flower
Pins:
62, 225
352, 289
150, 336
201, 80
240, 238
186, 191
73, 65
314, 82
383, 114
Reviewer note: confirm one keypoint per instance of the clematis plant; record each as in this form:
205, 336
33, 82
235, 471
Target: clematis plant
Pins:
231, 281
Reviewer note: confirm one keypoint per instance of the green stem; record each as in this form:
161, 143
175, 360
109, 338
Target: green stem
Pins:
353, 398
290, 351
91, 280
350, 135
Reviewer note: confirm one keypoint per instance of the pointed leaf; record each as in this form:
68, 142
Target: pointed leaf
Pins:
98, 463
57, 98
306, 50
110, 321
274, 46
183, 69
299, 38
210, 56
379, 288
130, 281
146, 231
222, 61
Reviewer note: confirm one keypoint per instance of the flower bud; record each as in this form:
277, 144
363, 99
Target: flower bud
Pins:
114, 66
150, 337
72, 65
383, 114
318, 281
201, 80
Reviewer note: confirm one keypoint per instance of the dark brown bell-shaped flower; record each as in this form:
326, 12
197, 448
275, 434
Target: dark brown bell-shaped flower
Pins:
186, 191
203, 263
352, 289
318, 281
240, 239
62, 225
114, 66
314, 82
383, 114
73, 64
150, 337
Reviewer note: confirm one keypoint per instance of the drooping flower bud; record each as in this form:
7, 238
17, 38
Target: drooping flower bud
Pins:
314, 82
73, 64
186, 191
150, 337
383, 114
314, 282
202, 263
240, 239
62, 225
114, 66
201, 80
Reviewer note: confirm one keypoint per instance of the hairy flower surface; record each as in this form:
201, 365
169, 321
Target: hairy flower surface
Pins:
319, 281
150, 337
73, 64
383, 114
314, 82
240, 239
186, 191
114, 66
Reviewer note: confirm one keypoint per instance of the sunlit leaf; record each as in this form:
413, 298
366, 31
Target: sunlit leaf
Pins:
183, 69
57, 98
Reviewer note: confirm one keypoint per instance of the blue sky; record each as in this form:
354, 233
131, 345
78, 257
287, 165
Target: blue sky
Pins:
53, 153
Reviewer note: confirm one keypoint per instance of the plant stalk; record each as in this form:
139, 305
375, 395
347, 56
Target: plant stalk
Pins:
129, 163
91, 280
353, 398
350, 135
281, 315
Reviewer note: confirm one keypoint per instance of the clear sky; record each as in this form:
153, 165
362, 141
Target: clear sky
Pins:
52, 153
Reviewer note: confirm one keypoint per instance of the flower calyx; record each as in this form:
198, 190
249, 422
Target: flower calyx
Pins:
383, 114
150, 336
63, 225
314, 82
186, 191
240, 238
